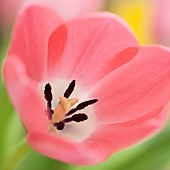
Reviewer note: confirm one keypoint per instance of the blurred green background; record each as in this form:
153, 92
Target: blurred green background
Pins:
15, 154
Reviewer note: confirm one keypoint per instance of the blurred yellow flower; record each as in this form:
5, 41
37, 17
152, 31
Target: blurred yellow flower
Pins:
138, 13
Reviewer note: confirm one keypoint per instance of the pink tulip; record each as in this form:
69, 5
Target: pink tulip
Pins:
8, 10
126, 87
162, 22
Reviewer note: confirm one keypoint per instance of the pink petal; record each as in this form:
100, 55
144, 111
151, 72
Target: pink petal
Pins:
107, 139
92, 46
23, 93
57, 42
111, 138
136, 88
6, 15
58, 148
30, 39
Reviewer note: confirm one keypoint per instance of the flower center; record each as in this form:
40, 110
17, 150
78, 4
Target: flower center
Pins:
63, 112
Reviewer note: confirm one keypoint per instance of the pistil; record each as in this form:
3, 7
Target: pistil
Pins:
62, 108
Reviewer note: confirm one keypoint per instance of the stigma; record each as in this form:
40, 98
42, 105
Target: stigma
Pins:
64, 112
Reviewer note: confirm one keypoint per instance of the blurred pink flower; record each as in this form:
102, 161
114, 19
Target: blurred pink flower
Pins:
162, 22
131, 83
8, 9
66, 8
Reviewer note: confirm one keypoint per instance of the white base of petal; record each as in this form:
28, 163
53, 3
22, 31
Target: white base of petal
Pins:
72, 130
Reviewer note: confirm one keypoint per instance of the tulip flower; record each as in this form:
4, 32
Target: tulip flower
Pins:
161, 25
84, 89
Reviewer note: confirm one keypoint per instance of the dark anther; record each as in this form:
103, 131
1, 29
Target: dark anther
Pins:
71, 112
85, 104
70, 89
68, 120
60, 125
49, 97
77, 118
47, 93
81, 106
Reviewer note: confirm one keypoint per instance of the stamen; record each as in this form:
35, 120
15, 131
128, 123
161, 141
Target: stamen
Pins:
60, 125
86, 103
80, 117
67, 120
77, 118
81, 106
49, 112
48, 95
63, 108
70, 89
